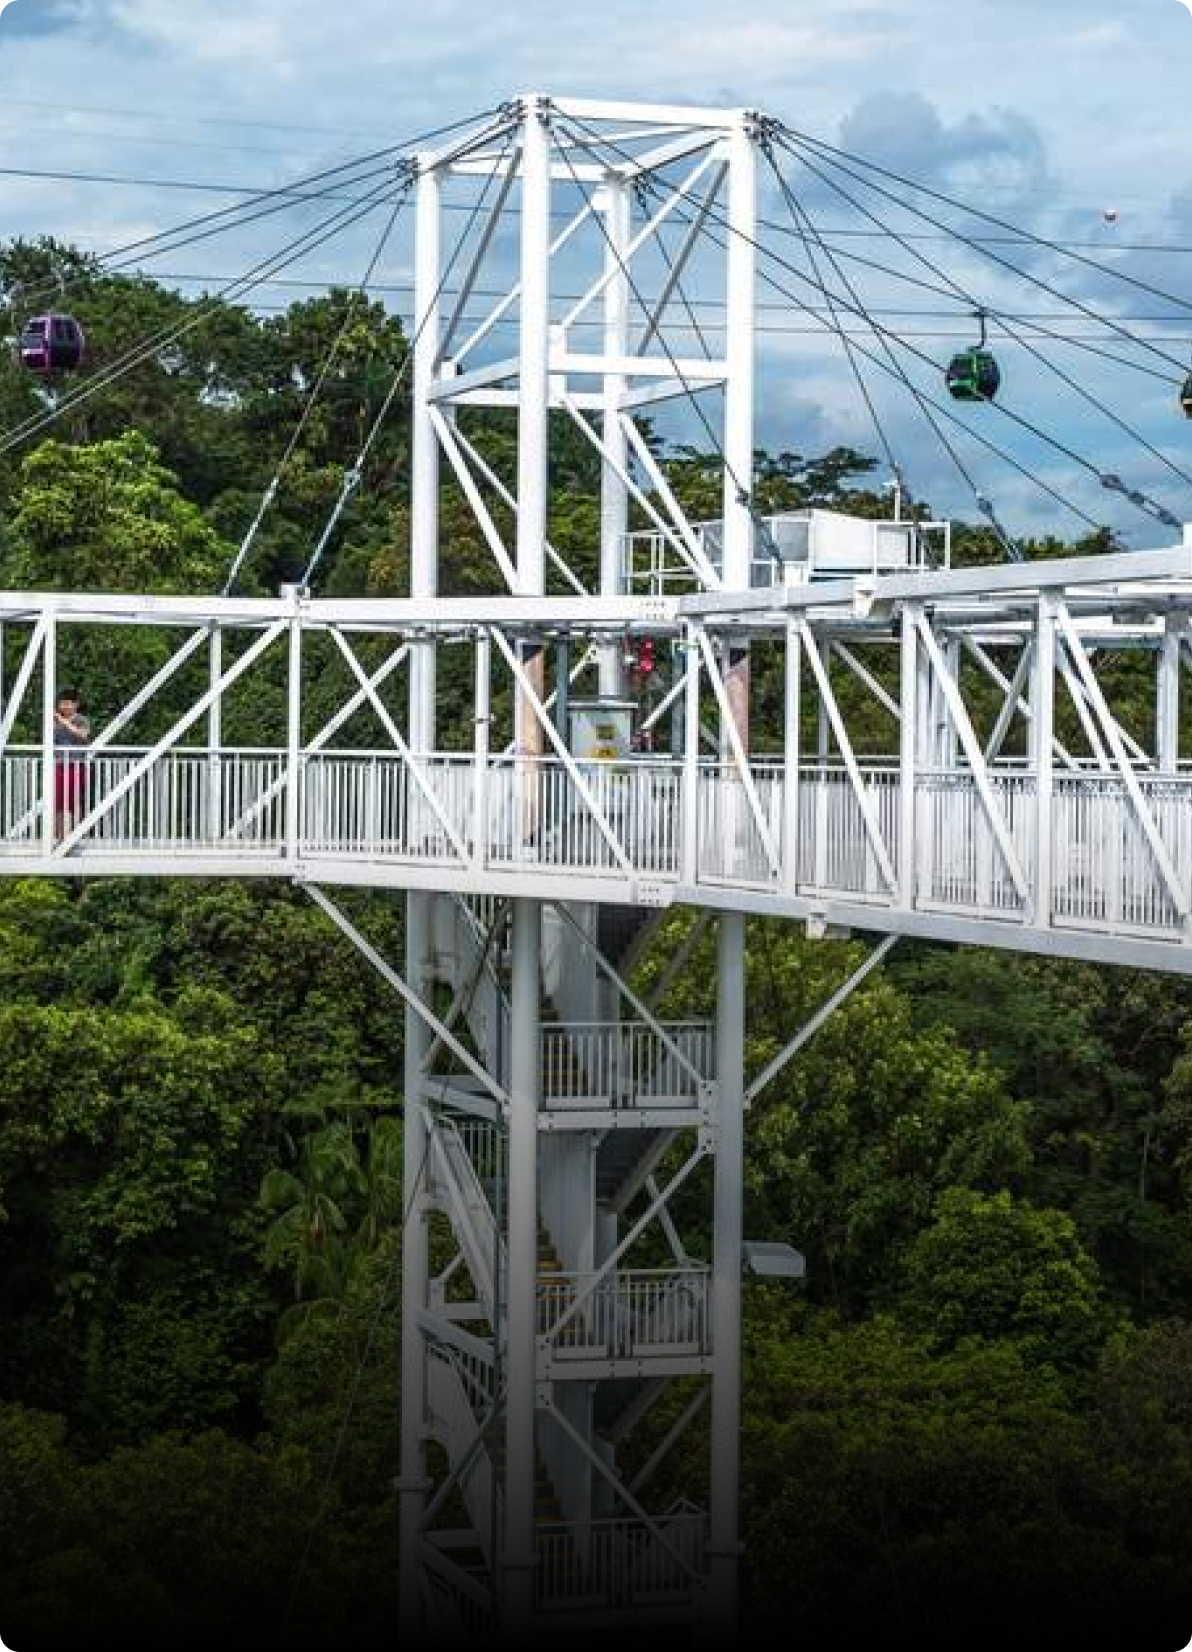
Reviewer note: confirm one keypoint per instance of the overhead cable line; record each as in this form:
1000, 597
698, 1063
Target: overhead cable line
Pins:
840, 155
1149, 506
983, 503
1005, 263
329, 361
744, 493
354, 476
286, 194
146, 348
892, 367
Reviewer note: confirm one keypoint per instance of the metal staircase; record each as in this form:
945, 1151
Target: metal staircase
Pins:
615, 1094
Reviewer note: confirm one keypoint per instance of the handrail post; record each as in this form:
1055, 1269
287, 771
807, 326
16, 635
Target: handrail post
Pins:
49, 689
293, 725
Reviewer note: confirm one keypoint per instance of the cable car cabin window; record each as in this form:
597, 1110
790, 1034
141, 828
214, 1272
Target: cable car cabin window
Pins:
973, 376
63, 331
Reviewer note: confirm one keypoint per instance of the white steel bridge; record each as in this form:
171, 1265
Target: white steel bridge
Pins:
848, 732
977, 822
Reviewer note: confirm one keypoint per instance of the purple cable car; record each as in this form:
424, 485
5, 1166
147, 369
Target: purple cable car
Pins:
51, 344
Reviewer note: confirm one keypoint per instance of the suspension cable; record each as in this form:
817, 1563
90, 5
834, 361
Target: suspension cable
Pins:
308, 242
839, 155
354, 475
358, 294
1150, 507
286, 195
1006, 263
983, 504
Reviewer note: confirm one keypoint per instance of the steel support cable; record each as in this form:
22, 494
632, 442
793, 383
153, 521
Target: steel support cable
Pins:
354, 476
287, 194
1005, 263
963, 293
1135, 497
899, 275
983, 503
329, 360
308, 242
1122, 361
693, 320
1019, 339
846, 342
838, 156
893, 368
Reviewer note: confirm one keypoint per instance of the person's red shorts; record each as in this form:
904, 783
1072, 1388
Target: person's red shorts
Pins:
70, 786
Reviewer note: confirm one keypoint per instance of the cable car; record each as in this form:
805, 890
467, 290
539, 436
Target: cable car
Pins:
51, 344
1186, 397
973, 375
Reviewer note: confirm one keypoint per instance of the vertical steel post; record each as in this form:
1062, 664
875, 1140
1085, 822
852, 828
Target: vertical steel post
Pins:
215, 737
424, 533
293, 726
725, 1466
907, 812
1167, 699
524, 1055
614, 495
792, 754
1042, 752
49, 690
481, 743
689, 816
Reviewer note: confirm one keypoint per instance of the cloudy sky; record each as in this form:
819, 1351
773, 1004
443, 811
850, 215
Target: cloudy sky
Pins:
1048, 115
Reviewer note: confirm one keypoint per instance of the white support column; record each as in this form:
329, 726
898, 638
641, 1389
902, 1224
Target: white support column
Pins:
525, 1084
689, 824
791, 755
741, 229
724, 1547
1042, 753
294, 731
1167, 699
215, 736
517, 1554
481, 750
49, 690
424, 534
907, 781
614, 494
727, 1254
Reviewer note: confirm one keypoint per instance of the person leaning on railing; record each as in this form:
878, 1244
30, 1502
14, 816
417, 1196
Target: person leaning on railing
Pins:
72, 731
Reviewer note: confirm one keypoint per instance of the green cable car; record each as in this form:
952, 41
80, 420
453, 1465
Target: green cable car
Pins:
973, 375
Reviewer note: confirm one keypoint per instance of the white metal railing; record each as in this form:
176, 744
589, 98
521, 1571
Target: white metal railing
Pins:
625, 1063
537, 814
189, 799
486, 1146
626, 1315
791, 545
619, 1562
960, 862
626, 819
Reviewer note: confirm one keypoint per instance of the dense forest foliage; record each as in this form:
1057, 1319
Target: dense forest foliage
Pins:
975, 1415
